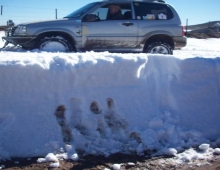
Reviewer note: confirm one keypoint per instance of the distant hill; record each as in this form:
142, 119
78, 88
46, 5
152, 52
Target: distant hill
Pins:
3, 28
205, 30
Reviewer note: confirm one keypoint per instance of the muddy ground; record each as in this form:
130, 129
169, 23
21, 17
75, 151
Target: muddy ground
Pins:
128, 162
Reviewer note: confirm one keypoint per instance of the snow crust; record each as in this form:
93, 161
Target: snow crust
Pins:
144, 102
217, 151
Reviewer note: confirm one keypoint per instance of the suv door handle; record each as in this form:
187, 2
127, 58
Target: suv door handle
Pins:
127, 24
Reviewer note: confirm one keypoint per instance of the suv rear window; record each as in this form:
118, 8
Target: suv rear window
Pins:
152, 11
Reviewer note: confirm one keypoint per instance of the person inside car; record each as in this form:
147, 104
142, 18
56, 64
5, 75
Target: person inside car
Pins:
115, 13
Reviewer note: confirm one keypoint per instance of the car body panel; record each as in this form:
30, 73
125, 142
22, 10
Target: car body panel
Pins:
101, 34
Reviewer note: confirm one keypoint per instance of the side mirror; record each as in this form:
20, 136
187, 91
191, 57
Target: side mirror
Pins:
91, 17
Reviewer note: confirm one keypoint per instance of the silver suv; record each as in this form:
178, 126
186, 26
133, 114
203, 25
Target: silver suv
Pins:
150, 26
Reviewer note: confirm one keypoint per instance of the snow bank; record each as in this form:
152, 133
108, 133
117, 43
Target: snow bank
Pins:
157, 101
114, 102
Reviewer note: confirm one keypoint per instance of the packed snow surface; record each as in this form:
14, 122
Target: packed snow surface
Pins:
126, 103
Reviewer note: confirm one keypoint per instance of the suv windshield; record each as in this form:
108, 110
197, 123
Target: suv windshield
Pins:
81, 10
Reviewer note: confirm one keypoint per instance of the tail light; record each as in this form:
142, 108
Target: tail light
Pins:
183, 31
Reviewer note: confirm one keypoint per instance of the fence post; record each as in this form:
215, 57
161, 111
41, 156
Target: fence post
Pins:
186, 26
56, 13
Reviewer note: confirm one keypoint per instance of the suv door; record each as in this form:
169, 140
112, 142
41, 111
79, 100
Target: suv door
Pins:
99, 33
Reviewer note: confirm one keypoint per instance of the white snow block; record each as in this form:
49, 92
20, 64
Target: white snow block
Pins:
204, 147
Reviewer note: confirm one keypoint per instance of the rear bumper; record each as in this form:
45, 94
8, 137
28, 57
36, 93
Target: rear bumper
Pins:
179, 42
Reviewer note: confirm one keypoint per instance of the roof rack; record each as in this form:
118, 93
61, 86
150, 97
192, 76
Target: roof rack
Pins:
162, 1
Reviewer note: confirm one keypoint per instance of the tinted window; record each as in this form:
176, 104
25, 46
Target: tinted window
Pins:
152, 11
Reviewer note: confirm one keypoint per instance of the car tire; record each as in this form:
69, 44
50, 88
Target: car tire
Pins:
55, 44
159, 48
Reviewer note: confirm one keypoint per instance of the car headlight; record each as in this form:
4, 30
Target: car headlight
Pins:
20, 30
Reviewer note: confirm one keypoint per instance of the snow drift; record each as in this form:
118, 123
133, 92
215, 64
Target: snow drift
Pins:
126, 103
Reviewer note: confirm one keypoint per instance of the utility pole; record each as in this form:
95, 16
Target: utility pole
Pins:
186, 26
1, 9
56, 13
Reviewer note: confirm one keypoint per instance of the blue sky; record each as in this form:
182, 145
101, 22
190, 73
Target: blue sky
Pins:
196, 11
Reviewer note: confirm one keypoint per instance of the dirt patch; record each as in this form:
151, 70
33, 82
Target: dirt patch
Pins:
128, 162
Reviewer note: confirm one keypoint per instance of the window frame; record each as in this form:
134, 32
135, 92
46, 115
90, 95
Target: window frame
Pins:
150, 15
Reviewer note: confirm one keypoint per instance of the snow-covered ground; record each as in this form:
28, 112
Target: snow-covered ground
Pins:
113, 103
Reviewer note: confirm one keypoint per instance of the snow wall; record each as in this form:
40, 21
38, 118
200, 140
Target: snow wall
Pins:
142, 102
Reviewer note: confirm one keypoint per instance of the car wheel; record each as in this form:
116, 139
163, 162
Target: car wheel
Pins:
159, 48
55, 44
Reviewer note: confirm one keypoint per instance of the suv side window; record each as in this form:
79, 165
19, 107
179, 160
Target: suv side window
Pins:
103, 12
152, 11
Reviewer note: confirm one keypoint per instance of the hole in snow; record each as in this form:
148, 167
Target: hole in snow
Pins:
94, 108
60, 111
65, 129
110, 103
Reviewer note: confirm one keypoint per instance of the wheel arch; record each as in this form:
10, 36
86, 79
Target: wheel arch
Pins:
159, 38
57, 33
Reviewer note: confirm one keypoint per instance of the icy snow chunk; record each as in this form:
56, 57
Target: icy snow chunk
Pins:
54, 165
217, 151
51, 157
62, 156
2, 166
74, 157
191, 154
195, 157
201, 157
116, 166
41, 160
185, 158
131, 164
68, 148
170, 151
204, 147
